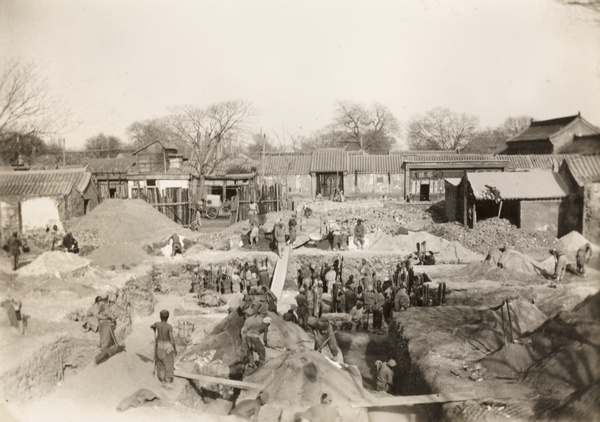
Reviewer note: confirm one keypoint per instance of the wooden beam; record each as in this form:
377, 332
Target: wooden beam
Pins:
216, 380
421, 399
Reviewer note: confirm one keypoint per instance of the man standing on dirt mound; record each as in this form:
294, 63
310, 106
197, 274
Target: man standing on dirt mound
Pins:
165, 350
254, 326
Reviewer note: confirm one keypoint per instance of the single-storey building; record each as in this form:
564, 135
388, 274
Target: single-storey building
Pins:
531, 200
33, 199
110, 176
229, 176
288, 169
553, 136
424, 174
583, 175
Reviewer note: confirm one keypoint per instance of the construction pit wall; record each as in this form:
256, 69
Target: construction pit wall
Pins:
48, 360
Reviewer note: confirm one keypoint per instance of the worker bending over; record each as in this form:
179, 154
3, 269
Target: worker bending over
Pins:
385, 375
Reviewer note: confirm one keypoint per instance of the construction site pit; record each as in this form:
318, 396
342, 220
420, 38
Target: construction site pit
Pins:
519, 346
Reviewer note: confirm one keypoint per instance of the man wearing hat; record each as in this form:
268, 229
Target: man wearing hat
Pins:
359, 234
254, 326
385, 375
165, 350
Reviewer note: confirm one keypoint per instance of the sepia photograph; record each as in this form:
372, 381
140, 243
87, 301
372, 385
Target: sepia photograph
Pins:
300, 211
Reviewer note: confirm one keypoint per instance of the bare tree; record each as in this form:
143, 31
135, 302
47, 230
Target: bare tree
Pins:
441, 129
512, 126
26, 107
371, 129
147, 131
211, 133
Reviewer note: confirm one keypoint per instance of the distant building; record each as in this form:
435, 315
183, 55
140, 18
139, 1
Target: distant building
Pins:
110, 176
161, 176
533, 200
33, 199
556, 136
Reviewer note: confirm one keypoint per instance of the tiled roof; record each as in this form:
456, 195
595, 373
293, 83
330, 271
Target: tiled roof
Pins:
538, 184
110, 165
449, 158
376, 164
165, 144
585, 168
43, 182
239, 164
286, 164
542, 130
330, 160
534, 161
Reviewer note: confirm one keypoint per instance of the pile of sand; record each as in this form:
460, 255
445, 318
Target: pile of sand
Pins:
221, 351
488, 330
445, 251
572, 241
55, 262
127, 220
296, 381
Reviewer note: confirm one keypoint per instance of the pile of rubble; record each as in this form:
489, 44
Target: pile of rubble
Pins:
494, 233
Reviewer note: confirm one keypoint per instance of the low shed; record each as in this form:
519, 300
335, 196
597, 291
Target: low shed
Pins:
531, 200
32, 199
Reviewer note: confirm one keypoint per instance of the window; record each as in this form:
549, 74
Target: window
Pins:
379, 179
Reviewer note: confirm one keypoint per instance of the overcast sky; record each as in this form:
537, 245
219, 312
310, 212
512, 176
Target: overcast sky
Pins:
118, 61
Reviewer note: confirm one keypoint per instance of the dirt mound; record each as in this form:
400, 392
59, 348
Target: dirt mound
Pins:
445, 251
118, 255
126, 220
222, 349
494, 233
296, 381
560, 358
487, 332
55, 262
572, 241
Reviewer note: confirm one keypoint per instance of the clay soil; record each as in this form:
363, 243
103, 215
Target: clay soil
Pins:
546, 372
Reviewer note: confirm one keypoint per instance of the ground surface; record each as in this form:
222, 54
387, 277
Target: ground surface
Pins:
431, 344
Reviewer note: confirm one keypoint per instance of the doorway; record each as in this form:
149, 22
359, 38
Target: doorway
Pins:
424, 194
328, 182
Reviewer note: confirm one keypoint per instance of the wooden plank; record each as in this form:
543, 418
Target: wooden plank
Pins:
167, 203
216, 380
421, 399
279, 273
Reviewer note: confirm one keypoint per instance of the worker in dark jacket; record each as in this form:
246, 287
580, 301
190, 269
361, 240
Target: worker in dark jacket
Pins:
14, 245
302, 310
70, 244
351, 298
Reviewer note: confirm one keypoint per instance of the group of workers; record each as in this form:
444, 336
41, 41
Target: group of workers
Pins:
232, 279
582, 258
